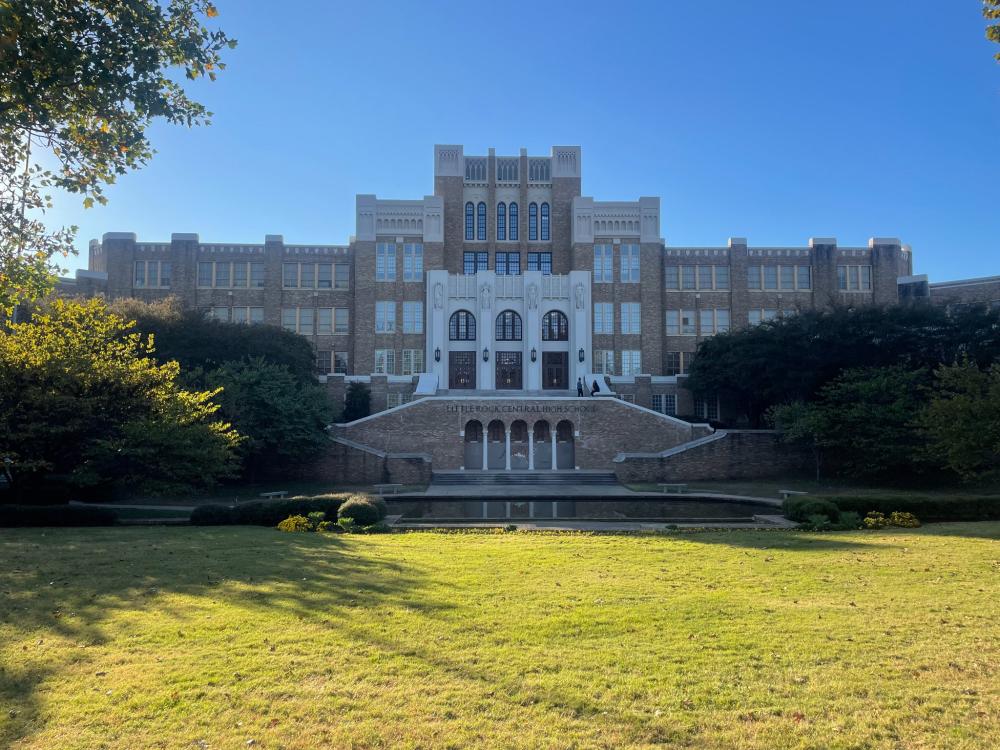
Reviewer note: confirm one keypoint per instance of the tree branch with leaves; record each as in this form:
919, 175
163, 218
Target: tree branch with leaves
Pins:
81, 81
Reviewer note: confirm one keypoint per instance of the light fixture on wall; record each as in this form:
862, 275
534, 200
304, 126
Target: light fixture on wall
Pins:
534, 354
580, 354
486, 354
437, 354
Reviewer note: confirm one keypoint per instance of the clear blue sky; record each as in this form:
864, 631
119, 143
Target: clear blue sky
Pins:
771, 120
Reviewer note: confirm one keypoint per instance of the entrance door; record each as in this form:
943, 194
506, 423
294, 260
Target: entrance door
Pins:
461, 369
508, 370
555, 370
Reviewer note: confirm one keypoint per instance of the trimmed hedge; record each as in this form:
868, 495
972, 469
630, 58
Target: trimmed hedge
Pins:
924, 507
12, 516
265, 512
362, 510
802, 509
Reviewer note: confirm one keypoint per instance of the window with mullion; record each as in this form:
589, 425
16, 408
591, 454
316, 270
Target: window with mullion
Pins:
532, 222
481, 222
508, 327
501, 221
545, 222
470, 221
512, 213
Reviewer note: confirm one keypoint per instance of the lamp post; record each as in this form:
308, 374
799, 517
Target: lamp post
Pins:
486, 354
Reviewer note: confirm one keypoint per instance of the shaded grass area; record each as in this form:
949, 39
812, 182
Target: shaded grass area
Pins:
240, 493
170, 637
129, 513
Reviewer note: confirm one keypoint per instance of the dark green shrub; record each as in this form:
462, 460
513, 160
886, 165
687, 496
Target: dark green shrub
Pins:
849, 520
362, 510
265, 512
800, 508
55, 515
378, 528
925, 507
817, 522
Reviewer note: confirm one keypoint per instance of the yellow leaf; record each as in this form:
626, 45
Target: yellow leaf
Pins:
210, 11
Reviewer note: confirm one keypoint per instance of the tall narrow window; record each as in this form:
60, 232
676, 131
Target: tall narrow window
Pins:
470, 221
257, 275
512, 210
204, 274
481, 222
140, 273
501, 221
413, 262
603, 263
532, 222
630, 264
324, 276
545, 222
385, 261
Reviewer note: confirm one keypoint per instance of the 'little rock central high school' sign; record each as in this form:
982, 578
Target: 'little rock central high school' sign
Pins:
515, 408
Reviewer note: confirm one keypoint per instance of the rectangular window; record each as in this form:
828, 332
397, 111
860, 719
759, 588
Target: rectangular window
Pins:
413, 317
341, 276
673, 325
672, 363
671, 276
385, 261
603, 264
688, 323
631, 362
239, 315
340, 363
630, 264
604, 317
804, 274
385, 362
658, 402
630, 317
540, 262
866, 278
290, 275
307, 275
413, 362
514, 264
468, 263
721, 277
707, 322
385, 317
204, 274
220, 314
240, 275
257, 275
722, 320
665, 403
392, 400
306, 315
324, 320
222, 274
604, 361
687, 277
289, 318
413, 262
500, 264
854, 278
705, 277
140, 273
322, 362
787, 277
324, 276
340, 320
256, 315
770, 277
753, 277
153, 273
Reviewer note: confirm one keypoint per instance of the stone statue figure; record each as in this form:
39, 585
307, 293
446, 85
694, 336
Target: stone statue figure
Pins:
579, 296
438, 296
532, 296
485, 296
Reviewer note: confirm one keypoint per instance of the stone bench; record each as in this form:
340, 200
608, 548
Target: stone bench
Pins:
383, 489
279, 494
669, 488
785, 494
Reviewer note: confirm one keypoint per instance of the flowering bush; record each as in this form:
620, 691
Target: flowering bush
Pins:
875, 520
904, 520
295, 523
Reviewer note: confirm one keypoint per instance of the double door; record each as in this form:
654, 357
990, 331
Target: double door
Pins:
555, 371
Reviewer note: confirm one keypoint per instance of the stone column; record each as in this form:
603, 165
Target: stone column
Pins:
486, 451
552, 435
506, 434
531, 449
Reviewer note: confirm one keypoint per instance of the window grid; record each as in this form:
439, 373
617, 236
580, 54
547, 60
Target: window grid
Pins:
412, 362
631, 362
603, 264
413, 317
696, 277
508, 327
540, 262
783, 278
555, 326
604, 317
712, 321
630, 264
385, 317
413, 261
385, 261
340, 363
604, 361
681, 323
532, 222
462, 326
630, 317
470, 221
854, 278
481, 222
512, 212
152, 274
385, 362
501, 221
545, 222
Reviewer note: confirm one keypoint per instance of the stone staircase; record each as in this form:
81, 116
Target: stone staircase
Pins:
523, 478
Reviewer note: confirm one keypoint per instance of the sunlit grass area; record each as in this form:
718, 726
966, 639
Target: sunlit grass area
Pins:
165, 637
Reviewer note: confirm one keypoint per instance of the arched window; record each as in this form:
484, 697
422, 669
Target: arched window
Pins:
481, 224
496, 432
501, 221
564, 431
545, 221
473, 431
513, 221
508, 326
519, 431
470, 221
532, 222
555, 327
462, 326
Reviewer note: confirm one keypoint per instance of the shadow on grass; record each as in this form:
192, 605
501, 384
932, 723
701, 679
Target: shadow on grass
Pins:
69, 583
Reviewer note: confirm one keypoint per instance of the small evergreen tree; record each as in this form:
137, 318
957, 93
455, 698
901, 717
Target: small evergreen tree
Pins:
358, 402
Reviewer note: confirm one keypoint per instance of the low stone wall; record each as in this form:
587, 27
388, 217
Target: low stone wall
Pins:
349, 464
735, 454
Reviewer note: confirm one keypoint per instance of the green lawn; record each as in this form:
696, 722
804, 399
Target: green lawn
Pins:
170, 637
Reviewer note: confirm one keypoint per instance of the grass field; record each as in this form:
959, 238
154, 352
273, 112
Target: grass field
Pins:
160, 637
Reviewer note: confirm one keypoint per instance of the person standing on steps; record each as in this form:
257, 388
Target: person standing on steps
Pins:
579, 387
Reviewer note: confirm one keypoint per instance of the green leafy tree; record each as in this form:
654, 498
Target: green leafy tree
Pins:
283, 419
991, 12
865, 422
792, 358
199, 343
962, 419
357, 402
82, 404
80, 84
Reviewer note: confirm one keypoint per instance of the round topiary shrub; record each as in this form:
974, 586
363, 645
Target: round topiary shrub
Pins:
801, 508
903, 519
295, 523
361, 510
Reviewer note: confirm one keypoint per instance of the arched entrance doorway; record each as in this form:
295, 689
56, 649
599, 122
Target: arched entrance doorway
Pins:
473, 444
542, 438
519, 445
496, 445
565, 448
